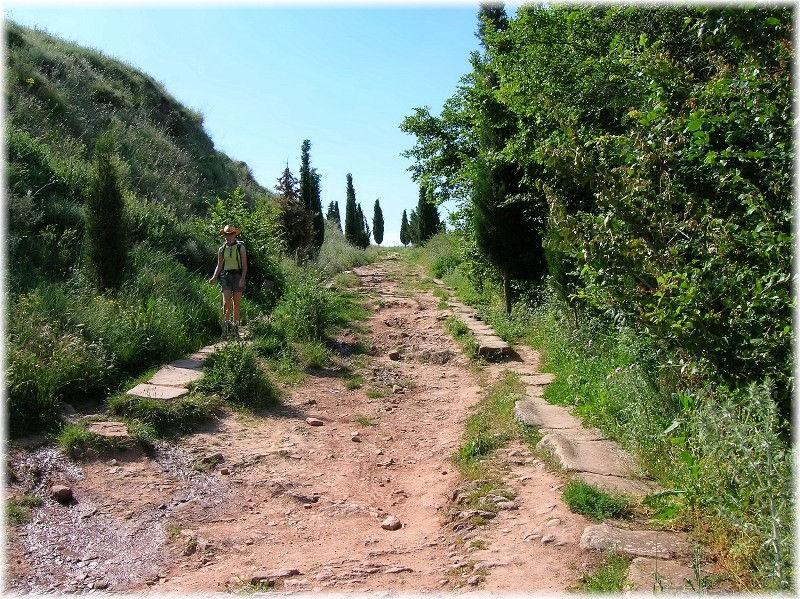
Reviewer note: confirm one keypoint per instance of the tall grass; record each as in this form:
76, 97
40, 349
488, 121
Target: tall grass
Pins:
336, 255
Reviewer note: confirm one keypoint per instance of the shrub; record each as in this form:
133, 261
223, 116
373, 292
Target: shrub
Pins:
106, 233
585, 499
303, 312
234, 374
737, 462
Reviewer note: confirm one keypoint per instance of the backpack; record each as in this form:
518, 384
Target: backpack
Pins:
239, 246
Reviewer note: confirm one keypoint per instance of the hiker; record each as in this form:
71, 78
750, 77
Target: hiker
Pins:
231, 270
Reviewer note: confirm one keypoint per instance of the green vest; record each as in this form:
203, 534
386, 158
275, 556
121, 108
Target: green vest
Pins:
232, 255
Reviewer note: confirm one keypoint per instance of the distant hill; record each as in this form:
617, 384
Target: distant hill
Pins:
60, 97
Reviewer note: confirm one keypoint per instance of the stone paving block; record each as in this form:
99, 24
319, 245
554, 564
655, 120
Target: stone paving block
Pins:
598, 457
619, 484
641, 543
577, 434
648, 575
190, 362
175, 377
544, 378
109, 429
537, 412
534, 391
157, 391
492, 347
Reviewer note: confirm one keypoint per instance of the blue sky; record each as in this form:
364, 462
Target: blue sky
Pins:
265, 78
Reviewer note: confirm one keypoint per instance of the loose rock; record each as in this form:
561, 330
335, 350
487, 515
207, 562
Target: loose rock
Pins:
391, 523
314, 421
61, 493
394, 355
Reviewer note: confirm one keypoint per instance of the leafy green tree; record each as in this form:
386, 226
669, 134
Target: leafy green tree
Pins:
413, 228
405, 237
107, 241
492, 17
377, 223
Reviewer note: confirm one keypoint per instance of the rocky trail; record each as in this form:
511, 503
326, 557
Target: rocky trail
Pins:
339, 489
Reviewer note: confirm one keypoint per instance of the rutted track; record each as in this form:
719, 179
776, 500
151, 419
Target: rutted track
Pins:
312, 498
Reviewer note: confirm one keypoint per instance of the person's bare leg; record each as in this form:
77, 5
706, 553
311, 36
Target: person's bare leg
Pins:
237, 299
228, 301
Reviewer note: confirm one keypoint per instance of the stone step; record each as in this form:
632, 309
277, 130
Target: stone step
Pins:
157, 391
619, 484
110, 429
492, 347
534, 391
170, 376
190, 362
598, 457
648, 575
640, 543
537, 412
544, 378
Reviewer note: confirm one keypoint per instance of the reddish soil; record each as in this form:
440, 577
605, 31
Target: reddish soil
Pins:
306, 497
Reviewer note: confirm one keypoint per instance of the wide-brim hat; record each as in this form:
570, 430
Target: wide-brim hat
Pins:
228, 229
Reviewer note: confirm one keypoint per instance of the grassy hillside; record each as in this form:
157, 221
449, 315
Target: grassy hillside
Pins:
68, 341
60, 98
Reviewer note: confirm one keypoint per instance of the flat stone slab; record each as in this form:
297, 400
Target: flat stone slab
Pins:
534, 391
545, 378
492, 347
190, 362
171, 376
648, 575
641, 543
577, 434
109, 429
619, 484
598, 457
157, 391
544, 415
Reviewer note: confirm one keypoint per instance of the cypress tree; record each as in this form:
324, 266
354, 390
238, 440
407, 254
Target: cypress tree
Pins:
377, 223
310, 194
363, 230
352, 227
404, 233
505, 233
105, 207
306, 183
333, 214
316, 204
296, 222
428, 221
413, 228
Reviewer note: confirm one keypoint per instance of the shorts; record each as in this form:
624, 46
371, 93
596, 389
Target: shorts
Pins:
229, 280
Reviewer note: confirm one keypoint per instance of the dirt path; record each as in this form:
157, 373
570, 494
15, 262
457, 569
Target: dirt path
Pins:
311, 498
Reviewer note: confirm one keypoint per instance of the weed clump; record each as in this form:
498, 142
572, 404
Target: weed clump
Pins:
18, 509
159, 418
234, 374
585, 499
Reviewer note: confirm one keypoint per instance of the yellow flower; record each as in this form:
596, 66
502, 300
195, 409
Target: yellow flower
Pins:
30, 81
